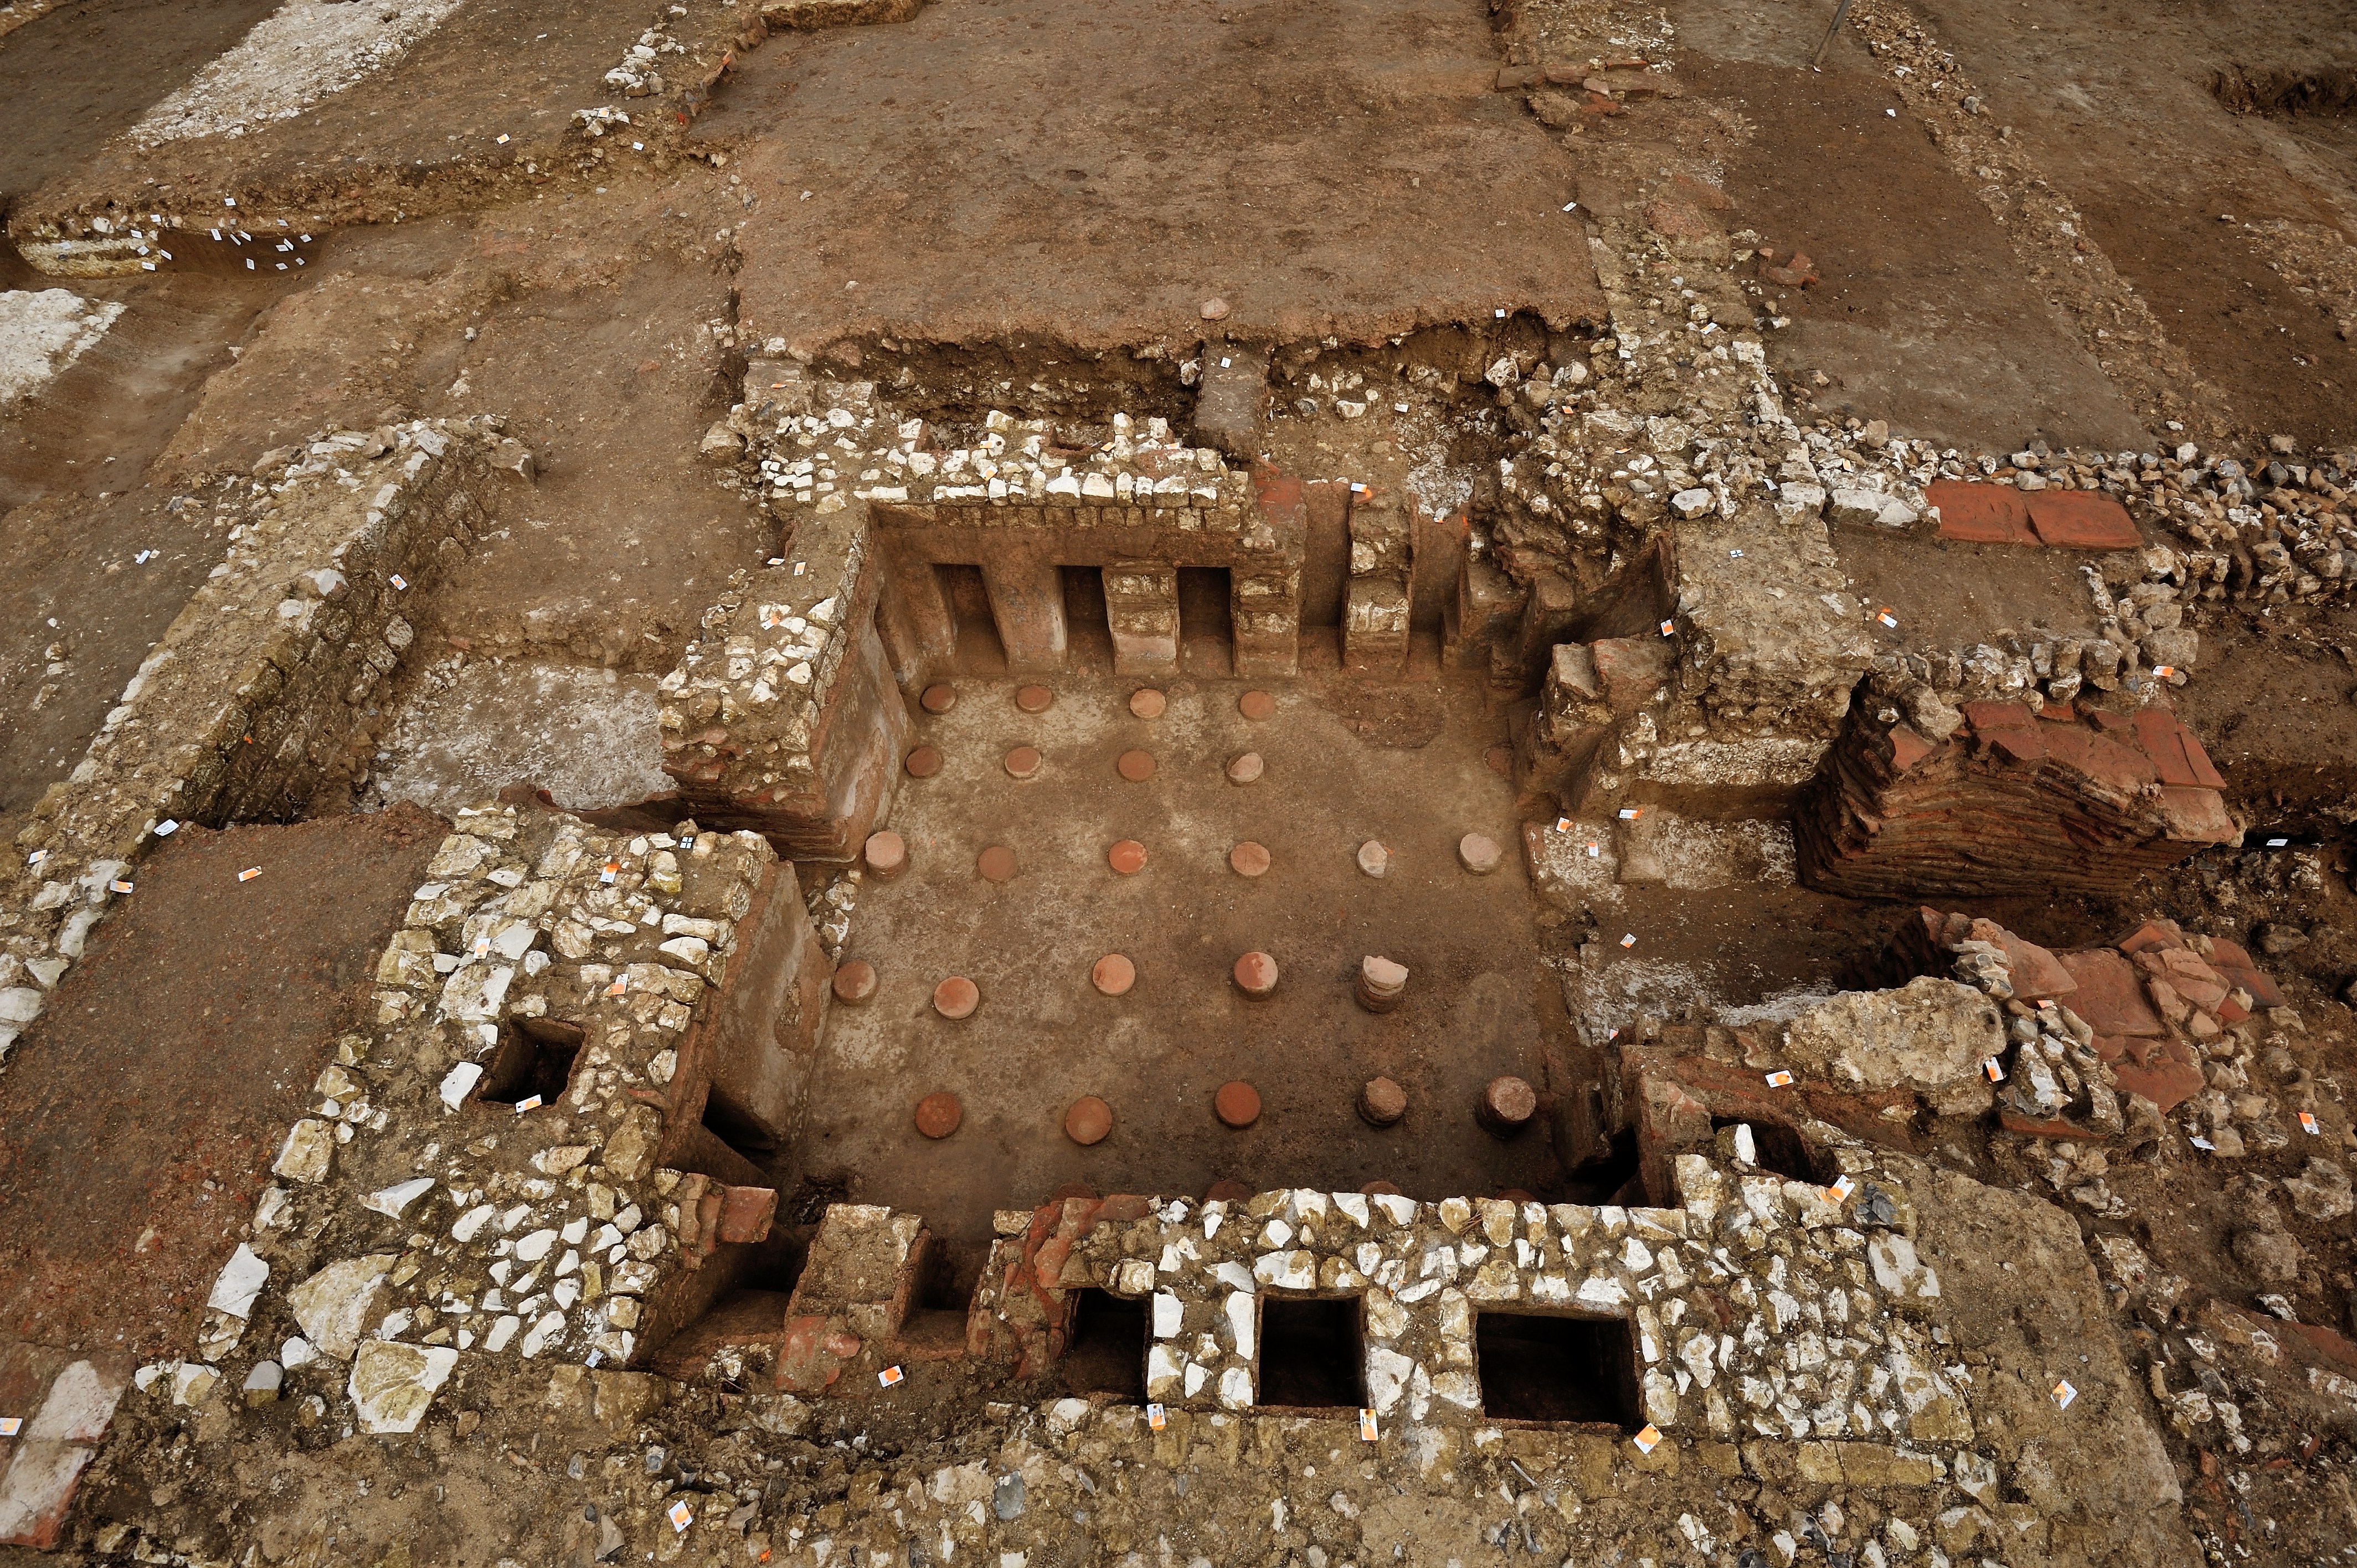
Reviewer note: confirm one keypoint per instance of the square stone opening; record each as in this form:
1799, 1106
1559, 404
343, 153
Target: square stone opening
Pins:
1313, 1352
1551, 1367
535, 1057
1104, 1353
1776, 1149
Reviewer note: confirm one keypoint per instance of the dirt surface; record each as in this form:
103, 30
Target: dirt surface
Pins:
1923, 316
81, 612
1478, 1005
2277, 707
53, 108
204, 1010
1946, 593
424, 134
1099, 184
602, 329
2137, 140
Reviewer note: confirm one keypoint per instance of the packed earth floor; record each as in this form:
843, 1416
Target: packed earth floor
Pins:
883, 782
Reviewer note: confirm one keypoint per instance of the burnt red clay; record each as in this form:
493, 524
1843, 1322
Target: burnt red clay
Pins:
1227, 1189
957, 998
1515, 1195
1256, 704
1382, 1102
854, 981
1114, 974
1500, 758
924, 762
938, 1115
887, 853
1379, 1188
1087, 1121
1507, 1105
995, 863
1023, 762
1147, 703
1137, 766
1034, 699
1238, 1103
1248, 859
1244, 770
1128, 857
938, 700
1256, 974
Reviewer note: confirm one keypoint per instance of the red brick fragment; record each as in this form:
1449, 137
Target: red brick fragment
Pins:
2108, 996
1980, 514
1906, 748
2081, 520
2167, 1081
2230, 959
2176, 754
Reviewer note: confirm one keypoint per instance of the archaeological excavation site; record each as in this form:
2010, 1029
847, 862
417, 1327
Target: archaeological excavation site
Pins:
1237, 784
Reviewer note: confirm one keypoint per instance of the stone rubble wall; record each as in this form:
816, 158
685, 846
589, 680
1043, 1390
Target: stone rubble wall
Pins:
261, 697
1826, 1334
414, 1219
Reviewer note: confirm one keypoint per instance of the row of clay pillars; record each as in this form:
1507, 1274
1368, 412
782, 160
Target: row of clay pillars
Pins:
1027, 607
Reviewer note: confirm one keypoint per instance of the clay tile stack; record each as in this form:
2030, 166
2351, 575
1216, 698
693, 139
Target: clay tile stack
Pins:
2014, 802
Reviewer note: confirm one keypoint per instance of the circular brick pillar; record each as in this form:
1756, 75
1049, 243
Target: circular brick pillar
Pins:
1507, 1105
886, 854
938, 1115
1087, 1121
1256, 974
1114, 974
1237, 1103
1383, 985
957, 998
854, 981
1382, 1102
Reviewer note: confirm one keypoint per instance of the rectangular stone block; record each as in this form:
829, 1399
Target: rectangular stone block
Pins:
1375, 626
1142, 606
1027, 600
